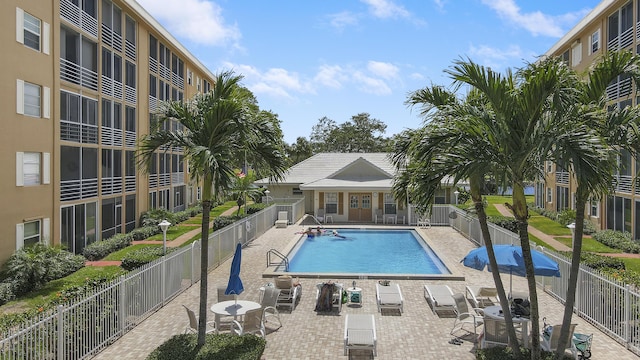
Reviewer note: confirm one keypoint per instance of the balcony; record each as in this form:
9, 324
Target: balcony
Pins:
77, 132
130, 139
111, 136
111, 185
131, 95
130, 183
130, 50
78, 17
78, 189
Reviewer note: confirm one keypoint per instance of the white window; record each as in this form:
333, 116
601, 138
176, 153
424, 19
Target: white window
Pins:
32, 32
33, 168
576, 53
198, 84
189, 77
594, 208
549, 195
331, 202
32, 232
33, 100
595, 42
389, 203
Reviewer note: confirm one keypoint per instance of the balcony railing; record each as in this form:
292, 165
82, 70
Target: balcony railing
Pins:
78, 189
177, 81
153, 181
130, 183
562, 178
619, 89
153, 65
110, 136
107, 85
77, 132
130, 95
153, 103
177, 178
164, 179
78, 17
624, 183
130, 139
130, 50
111, 185
165, 72
622, 41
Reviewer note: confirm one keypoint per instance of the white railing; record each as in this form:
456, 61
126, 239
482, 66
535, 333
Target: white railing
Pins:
165, 72
69, 71
117, 41
153, 65
70, 12
76, 132
107, 85
117, 89
130, 183
130, 95
78, 189
177, 178
111, 185
153, 180
89, 78
164, 179
130, 50
129, 138
624, 183
89, 24
81, 329
562, 177
153, 103
111, 136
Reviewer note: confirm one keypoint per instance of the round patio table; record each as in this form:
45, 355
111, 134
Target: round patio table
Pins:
495, 312
233, 308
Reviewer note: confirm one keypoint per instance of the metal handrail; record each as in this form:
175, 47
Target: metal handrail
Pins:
280, 255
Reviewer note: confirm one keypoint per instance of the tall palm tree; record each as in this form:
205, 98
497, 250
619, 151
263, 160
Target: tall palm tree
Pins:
215, 127
522, 133
447, 145
591, 146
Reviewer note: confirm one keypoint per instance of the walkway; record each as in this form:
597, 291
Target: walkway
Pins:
415, 334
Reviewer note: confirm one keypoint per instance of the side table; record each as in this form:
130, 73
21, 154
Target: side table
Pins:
355, 295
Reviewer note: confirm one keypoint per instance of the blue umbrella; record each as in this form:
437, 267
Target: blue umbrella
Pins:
235, 284
509, 258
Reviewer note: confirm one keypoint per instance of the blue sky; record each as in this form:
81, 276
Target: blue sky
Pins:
306, 59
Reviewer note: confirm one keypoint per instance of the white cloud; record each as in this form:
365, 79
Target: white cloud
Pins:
440, 4
275, 82
495, 58
416, 76
370, 85
199, 21
386, 9
341, 20
331, 76
383, 70
536, 23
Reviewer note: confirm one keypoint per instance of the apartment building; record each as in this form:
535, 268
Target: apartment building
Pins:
613, 25
80, 83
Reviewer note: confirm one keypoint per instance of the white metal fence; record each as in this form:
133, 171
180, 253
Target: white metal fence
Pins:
81, 329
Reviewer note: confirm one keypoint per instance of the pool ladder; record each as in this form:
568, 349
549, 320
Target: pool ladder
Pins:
278, 254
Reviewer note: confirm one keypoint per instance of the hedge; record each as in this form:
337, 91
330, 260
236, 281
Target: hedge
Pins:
137, 258
617, 240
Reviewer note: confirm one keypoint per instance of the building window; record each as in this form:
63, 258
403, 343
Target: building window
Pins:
32, 168
331, 202
389, 203
32, 100
189, 77
549, 195
296, 191
549, 166
576, 53
595, 41
31, 234
32, 32
594, 208
31, 26
562, 198
32, 97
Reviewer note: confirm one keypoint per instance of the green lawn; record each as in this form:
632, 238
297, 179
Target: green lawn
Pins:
548, 226
589, 245
174, 232
215, 212
121, 254
631, 264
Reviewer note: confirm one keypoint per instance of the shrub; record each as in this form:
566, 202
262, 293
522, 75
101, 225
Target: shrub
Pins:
617, 240
137, 258
504, 353
254, 208
100, 249
7, 292
504, 222
144, 232
566, 217
222, 221
599, 262
155, 216
219, 347
64, 263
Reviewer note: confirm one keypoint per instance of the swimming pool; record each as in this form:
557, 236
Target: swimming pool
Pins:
365, 252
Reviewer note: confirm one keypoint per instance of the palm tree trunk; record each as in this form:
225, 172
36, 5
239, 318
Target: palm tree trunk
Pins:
581, 201
474, 184
204, 260
521, 213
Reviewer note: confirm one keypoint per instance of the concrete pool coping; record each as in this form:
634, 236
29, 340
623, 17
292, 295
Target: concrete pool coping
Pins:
273, 270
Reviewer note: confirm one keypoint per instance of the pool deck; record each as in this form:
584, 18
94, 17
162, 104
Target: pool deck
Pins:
415, 334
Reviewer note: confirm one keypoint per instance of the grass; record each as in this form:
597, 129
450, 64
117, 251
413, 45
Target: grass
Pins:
589, 245
215, 212
121, 254
173, 232
52, 288
631, 264
548, 226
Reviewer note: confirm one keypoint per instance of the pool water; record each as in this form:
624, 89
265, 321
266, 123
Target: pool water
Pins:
365, 251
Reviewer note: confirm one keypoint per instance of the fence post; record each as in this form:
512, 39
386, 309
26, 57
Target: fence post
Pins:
162, 279
60, 332
627, 314
193, 263
123, 306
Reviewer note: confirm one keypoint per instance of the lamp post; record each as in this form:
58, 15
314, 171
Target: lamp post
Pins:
266, 193
572, 227
164, 225
456, 193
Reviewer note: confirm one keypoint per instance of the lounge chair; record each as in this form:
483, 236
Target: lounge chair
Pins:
465, 316
440, 297
360, 333
252, 323
192, 326
269, 302
551, 335
289, 294
481, 296
328, 297
283, 219
389, 297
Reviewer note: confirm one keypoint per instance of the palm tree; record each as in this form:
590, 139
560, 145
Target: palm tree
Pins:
448, 145
215, 128
591, 146
522, 133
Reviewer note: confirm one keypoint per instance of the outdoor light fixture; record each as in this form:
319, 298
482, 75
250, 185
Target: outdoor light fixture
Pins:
266, 193
164, 225
456, 193
572, 227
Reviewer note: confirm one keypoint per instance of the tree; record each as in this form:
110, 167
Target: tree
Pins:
593, 141
299, 151
360, 134
448, 145
214, 128
522, 134
244, 188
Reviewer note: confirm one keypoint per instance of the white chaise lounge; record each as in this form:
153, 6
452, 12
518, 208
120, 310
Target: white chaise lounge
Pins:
360, 333
440, 297
283, 219
389, 297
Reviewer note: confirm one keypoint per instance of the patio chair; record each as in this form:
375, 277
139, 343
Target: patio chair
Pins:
389, 297
424, 221
551, 335
192, 326
289, 294
379, 215
269, 304
494, 333
221, 296
283, 219
439, 297
360, 333
328, 297
481, 296
224, 321
465, 316
252, 323
320, 215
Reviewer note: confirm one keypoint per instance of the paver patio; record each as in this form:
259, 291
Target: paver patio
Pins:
416, 334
